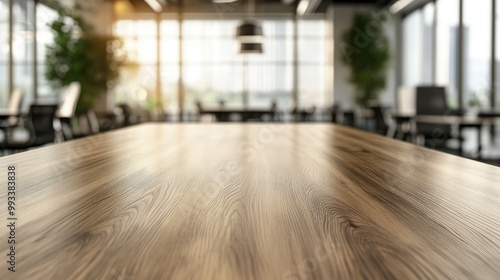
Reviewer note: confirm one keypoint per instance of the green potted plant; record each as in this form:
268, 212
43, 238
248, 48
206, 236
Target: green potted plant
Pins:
78, 54
365, 50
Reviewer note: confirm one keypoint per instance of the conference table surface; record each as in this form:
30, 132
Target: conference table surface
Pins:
250, 201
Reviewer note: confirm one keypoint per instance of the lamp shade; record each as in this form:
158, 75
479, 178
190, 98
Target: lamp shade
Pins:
249, 32
251, 48
222, 1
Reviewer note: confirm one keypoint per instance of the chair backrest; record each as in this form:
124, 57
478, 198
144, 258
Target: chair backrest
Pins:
15, 103
431, 100
69, 100
16, 100
406, 100
381, 125
127, 113
93, 122
41, 122
199, 107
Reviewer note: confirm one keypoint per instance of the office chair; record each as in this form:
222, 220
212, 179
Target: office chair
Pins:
40, 124
15, 102
12, 118
334, 112
431, 100
381, 126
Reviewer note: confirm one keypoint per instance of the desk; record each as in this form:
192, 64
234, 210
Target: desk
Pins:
462, 122
259, 201
223, 113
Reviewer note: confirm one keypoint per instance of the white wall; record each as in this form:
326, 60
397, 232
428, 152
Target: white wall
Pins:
343, 90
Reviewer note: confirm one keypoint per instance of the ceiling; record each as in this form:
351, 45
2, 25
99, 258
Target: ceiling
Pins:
262, 6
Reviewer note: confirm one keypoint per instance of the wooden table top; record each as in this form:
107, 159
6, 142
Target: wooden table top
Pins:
256, 201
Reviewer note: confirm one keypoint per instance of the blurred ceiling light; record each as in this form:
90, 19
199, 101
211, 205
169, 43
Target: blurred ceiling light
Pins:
307, 6
302, 7
155, 5
399, 5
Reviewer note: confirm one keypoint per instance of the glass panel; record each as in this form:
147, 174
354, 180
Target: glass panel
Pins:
268, 82
124, 28
4, 52
169, 28
192, 28
275, 50
44, 16
145, 28
169, 49
477, 52
497, 59
428, 43
312, 61
312, 50
214, 46
169, 81
45, 36
314, 28
44, 90
447, 47
312, 86
146, 50
194, 50
412, 44
4, 85
137, 85
212, 83
214, 70
222, 50
277, 28
23, 47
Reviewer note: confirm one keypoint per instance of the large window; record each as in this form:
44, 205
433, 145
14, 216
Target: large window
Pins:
312, 62
269, 76
212, 69
447, 47
169, 73
439, 58
428, 44
412, 44
23, 62
477, 52
497, 60
45, 36
137, 85
23, 48
4, 52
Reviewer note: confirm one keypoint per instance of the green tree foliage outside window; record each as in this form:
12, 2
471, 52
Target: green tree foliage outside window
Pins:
365, 49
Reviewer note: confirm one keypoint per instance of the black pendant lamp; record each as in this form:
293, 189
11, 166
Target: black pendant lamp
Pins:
249, 48
249, 33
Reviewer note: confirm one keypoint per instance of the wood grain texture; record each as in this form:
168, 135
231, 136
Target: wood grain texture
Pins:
193, 201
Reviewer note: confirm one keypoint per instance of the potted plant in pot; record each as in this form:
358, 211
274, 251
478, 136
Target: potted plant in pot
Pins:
365, 50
